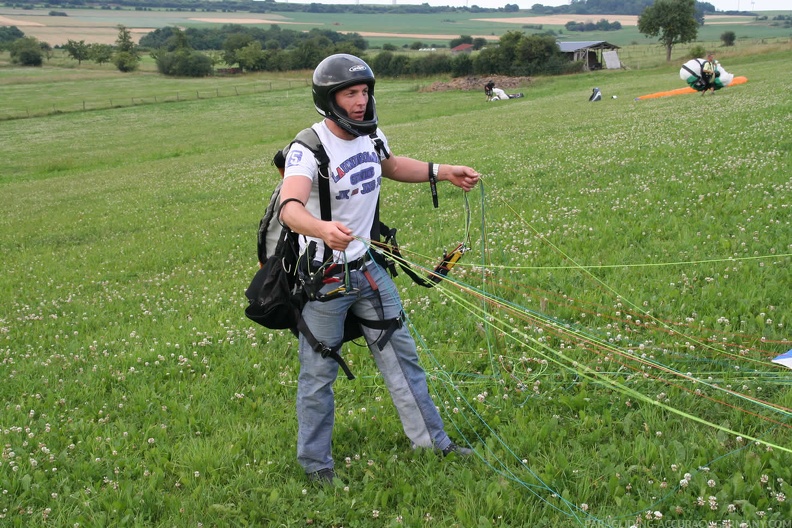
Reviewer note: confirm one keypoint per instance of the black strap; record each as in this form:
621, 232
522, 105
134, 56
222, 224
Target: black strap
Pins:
392, 246
433, 184
695, 74
324, 350
388, 325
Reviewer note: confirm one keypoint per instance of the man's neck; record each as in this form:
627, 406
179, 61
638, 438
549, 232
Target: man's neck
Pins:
337, 130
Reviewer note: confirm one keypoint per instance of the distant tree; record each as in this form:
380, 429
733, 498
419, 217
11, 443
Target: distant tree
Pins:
232, 44
158, 38
463, 39
308, 54
540, 9
251, 57
673, 20
728, 38
461, 65
479, 43
26, 51
184, 63
126, 57
382, 61
399, 65
177, 58
696, 51
47, 50
8, 34
78, 51
101, 53
430, 64
347, 47
519, 54
124, 40
537, 54
178, 41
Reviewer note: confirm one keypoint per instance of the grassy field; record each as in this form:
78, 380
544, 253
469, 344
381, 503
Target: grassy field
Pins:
605, 346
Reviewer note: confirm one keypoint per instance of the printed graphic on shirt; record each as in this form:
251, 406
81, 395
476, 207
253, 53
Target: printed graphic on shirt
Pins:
350, 163
295, 156
362, 181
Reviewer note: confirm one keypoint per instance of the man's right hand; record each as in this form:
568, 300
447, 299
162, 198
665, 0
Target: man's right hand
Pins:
336, 235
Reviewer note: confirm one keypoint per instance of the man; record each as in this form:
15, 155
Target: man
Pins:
343, 93
496, 94
709, 74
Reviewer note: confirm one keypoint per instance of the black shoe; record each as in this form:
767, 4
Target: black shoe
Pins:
323, 476
459, 450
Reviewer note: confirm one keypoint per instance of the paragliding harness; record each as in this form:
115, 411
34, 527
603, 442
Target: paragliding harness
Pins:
286, 280
705, 77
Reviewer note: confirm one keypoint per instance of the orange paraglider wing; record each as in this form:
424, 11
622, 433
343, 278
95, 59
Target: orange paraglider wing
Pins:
688, 89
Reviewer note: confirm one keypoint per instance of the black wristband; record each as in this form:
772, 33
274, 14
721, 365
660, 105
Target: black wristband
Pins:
433, 183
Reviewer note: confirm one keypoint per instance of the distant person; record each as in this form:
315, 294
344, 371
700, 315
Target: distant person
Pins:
496, 94
704, 75
710, 74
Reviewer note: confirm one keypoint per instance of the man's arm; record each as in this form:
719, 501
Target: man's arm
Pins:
408, 170
295, 192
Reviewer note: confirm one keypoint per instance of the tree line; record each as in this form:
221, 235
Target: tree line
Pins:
575, 7
255, 49
184, 52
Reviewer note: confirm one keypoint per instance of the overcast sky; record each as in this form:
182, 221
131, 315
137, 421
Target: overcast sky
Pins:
722, 5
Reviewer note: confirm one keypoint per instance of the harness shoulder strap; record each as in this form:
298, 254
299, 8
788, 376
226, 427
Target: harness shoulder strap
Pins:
377, 226
309, 139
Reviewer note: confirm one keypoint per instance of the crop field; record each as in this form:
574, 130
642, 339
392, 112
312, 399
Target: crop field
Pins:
101, 25
605, 346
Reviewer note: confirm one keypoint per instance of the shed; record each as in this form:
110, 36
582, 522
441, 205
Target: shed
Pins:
592, 53
462, 48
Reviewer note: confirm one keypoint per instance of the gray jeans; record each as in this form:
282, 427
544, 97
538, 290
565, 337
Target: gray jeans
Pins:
397, 360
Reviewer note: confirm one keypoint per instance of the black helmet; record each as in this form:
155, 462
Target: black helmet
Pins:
337, 72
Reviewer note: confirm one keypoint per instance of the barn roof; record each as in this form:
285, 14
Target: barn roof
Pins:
568, 47
462, 47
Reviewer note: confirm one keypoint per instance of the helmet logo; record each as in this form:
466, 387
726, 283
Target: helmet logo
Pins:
357, 68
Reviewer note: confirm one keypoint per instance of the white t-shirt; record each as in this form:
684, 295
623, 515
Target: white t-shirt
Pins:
355, 179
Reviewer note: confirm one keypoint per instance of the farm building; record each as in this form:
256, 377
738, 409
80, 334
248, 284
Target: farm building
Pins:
462, 48
593, 53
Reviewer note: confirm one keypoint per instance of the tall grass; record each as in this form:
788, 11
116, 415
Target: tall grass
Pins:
135, 393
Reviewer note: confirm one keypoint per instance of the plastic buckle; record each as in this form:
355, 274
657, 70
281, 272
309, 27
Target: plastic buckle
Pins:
448, 261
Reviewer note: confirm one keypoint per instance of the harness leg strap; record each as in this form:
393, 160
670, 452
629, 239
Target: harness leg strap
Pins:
389, 326
324, 350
